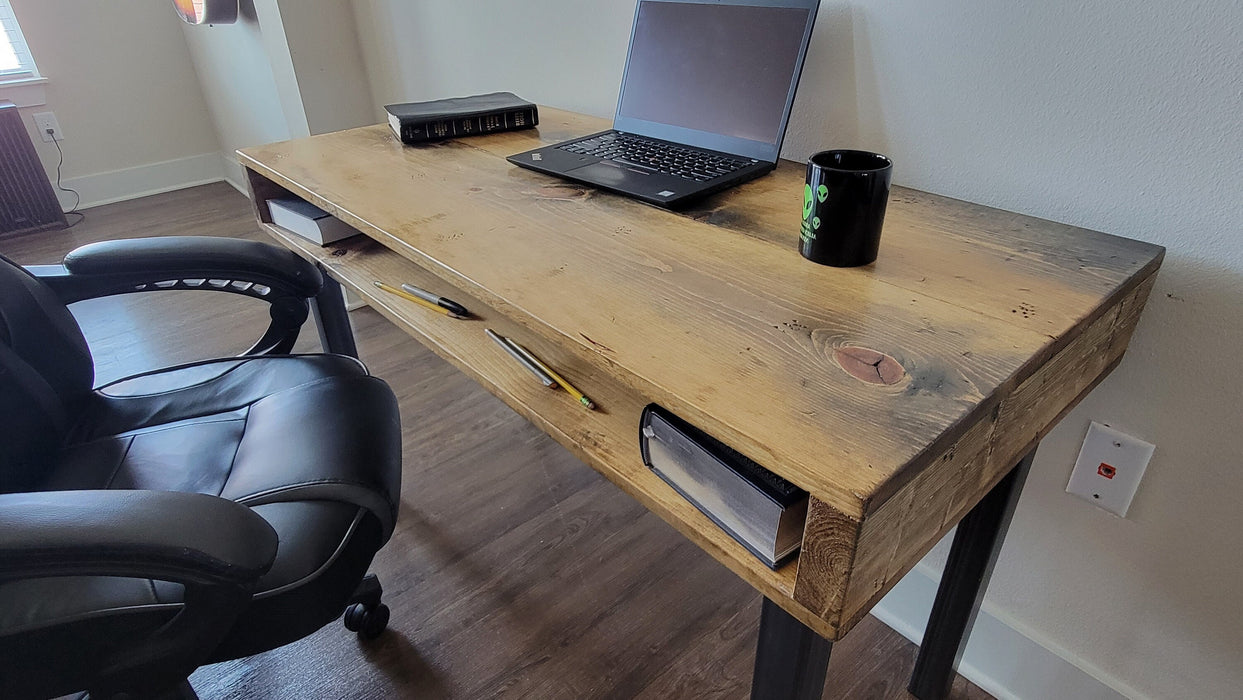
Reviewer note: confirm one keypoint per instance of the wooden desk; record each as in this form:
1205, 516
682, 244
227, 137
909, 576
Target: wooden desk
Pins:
898, 395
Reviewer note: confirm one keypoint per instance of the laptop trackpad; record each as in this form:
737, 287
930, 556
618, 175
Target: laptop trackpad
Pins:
606, 172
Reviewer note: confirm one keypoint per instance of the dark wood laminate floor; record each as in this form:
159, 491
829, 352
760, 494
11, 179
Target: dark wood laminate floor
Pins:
515, 570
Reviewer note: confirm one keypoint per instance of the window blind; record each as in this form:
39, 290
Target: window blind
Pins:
15, 59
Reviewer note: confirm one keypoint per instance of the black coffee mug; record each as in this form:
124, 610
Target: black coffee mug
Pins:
844, 207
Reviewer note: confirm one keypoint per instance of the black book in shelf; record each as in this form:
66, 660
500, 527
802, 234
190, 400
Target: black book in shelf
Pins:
761, 510
420, 122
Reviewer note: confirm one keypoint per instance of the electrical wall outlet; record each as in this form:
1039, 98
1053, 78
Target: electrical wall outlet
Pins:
46, 121
1109, 468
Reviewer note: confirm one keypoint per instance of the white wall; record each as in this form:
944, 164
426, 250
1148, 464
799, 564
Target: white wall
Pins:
122, 86
327, 60
239, 83
286, 69
1116, 115
440, 48
1123, 117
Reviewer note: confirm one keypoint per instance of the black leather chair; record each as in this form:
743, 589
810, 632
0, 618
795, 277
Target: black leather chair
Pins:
187, 515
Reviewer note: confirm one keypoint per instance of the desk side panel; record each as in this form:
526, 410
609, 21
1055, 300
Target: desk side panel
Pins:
261, 189
901, 531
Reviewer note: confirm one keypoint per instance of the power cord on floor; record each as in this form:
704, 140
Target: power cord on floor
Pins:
77, 198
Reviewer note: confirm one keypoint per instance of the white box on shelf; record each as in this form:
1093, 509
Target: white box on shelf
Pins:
309, 221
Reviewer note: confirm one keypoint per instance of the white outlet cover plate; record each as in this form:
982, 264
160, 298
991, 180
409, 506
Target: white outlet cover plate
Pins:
1109, 468
45, 121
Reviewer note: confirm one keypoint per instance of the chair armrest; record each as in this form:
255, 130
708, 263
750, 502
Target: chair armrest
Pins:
183, 537
107, 267
250, 268
216, 548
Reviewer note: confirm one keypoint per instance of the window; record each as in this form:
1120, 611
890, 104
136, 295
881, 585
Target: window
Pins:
15, 60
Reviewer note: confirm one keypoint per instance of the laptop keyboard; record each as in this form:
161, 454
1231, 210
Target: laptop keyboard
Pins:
658, 156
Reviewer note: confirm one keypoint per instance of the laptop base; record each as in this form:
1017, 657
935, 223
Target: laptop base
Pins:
667, 191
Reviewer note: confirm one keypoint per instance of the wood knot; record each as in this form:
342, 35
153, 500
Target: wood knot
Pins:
869, 365
561, 192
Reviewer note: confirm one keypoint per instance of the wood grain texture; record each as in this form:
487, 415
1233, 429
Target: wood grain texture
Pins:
826, 564
935, 245
896, 394
869, 365
752, 359
760, 334
898, 534
557, 585
606, 438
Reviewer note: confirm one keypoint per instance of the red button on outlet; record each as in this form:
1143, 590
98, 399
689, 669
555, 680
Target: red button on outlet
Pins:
1106, 471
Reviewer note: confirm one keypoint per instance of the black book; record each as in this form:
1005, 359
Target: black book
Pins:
761, 510
418, 122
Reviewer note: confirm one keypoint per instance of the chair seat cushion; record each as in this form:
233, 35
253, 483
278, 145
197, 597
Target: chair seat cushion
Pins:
312, 443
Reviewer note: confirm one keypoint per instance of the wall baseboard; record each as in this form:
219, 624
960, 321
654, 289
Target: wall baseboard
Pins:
999, 659
143, 180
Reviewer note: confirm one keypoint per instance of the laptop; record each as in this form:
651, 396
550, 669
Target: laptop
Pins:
704, 101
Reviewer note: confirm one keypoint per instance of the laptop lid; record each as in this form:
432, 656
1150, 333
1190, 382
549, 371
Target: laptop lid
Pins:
716, 74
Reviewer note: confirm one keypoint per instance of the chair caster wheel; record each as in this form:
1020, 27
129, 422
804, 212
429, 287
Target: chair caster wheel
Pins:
367, 623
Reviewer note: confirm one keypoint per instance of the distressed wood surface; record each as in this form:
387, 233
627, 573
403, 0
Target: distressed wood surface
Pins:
897, 535
881, 390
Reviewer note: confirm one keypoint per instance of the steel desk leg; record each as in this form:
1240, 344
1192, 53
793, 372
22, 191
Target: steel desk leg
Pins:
970, 564
791, 660
335, 333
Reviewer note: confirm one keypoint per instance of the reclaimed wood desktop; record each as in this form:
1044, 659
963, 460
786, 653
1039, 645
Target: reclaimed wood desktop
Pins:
899, 395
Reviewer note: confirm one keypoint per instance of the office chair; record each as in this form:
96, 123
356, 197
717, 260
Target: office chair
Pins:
188, 515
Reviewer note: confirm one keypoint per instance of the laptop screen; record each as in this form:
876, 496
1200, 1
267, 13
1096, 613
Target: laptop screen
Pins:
698, 70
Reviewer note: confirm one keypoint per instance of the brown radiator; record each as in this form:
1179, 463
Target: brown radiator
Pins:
27, 202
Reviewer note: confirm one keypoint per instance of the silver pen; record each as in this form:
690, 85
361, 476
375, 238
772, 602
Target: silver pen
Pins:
436, 299
513, 352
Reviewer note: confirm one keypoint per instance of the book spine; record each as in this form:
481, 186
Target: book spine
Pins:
440, 129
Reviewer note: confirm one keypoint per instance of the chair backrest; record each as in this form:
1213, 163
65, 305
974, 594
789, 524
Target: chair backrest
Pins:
45, 372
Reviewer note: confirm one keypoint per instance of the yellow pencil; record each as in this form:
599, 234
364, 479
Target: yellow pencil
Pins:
422, 302
569, 388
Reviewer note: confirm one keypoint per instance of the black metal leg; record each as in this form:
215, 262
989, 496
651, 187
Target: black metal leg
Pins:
335, 333
970, 564
791, 660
